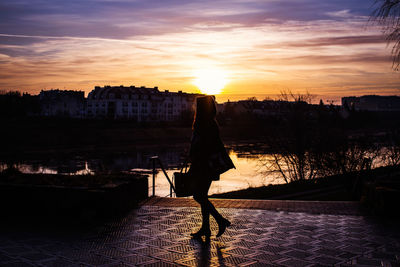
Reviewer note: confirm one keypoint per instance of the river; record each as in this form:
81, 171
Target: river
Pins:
249, 170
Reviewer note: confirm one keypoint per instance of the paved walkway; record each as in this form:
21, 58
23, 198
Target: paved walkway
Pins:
313, 207
158, 234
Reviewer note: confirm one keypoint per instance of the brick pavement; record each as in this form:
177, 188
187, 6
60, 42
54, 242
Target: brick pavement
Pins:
159, 235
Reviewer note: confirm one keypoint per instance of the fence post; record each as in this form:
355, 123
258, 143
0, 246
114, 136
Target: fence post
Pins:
171, 185
153, 159
170, 188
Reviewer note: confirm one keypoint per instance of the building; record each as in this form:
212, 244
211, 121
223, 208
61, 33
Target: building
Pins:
263, 108
62, 103
372, 103
138, 103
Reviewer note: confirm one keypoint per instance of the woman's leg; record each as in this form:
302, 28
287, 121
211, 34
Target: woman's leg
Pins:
201, 196
213, 211
207, 208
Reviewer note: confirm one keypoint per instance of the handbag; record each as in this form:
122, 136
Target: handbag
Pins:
184, 182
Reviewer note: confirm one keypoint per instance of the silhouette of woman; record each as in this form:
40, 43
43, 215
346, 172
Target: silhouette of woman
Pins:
205, 144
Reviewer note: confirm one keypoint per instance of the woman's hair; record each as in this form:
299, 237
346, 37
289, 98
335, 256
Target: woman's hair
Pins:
205, 111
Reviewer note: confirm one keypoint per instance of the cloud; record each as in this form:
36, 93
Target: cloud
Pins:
261, 44
340, 14
342, 41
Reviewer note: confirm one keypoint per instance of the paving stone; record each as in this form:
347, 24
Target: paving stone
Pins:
195, 262
57, 262
328, 252
5, 258
160, 264
171, 256
326, 260
137, 259
245, 244
237, 261
181, 248
17, 264
120, 264
294, 263
95, 260
260, 264
302, 246
368, 262
298, 254
36, 256
148, 251
127, 245
272, 249
240, 251
265, 257
18, 250
383, 255
347, 255
356, 249
112, 253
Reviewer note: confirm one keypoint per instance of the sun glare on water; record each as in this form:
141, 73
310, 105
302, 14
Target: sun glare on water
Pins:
211, 81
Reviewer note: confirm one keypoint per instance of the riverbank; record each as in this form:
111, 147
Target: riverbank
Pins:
48, 137
335, 188
377, 189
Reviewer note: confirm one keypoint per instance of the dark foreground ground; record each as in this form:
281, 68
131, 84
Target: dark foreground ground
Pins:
158, 234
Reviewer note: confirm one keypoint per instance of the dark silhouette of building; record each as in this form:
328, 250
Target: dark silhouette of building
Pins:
62, 103
372, 103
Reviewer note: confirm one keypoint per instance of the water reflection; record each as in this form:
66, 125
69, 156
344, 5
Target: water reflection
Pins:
249, 172
245, 157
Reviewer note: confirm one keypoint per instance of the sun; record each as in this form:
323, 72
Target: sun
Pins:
210, 81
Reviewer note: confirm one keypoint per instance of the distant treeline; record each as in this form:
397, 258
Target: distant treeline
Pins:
13, 104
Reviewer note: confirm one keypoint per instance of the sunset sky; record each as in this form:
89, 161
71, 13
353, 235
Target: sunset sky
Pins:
250, 48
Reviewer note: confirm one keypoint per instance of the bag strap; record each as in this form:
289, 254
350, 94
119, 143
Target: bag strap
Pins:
185, 165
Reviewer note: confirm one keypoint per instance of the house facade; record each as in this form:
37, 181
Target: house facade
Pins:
138, 103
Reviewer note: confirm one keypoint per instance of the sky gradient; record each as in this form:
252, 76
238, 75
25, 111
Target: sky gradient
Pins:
327, 48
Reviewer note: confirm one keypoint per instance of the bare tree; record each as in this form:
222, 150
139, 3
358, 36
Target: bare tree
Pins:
391, 155
291, 141
287, 95
388, 14
308, 142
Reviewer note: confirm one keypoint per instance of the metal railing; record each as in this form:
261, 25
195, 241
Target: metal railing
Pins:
155, 160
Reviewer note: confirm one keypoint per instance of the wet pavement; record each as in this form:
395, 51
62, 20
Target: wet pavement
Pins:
158, 234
